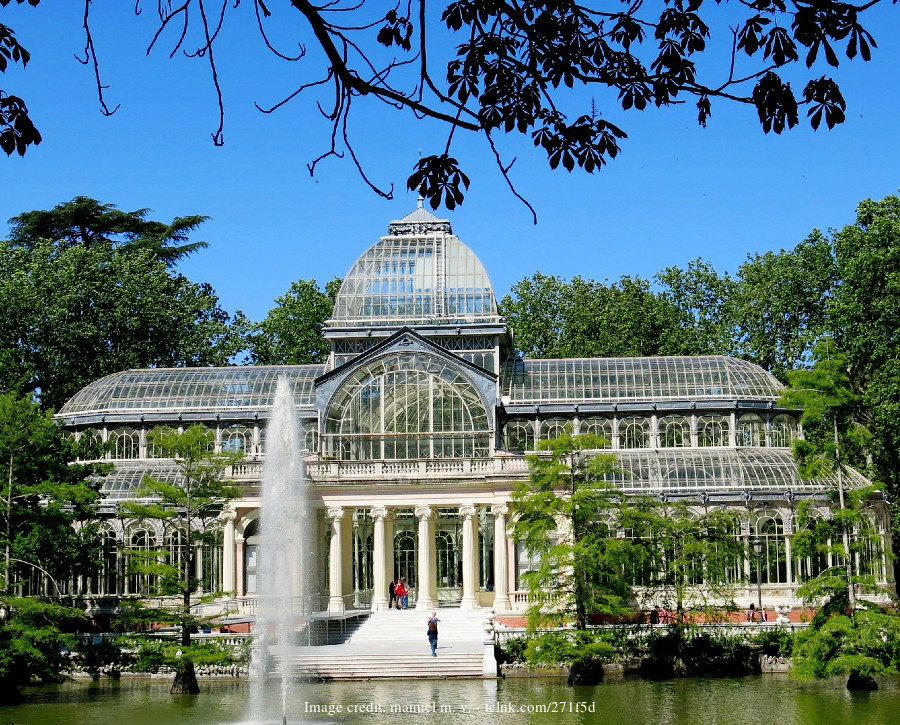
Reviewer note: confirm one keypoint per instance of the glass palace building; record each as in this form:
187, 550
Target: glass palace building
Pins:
415, 432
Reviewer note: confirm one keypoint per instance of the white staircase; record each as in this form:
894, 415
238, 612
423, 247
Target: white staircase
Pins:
394, 644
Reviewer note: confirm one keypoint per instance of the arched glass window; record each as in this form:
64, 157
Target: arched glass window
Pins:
237, 439
751, 431
407, 405
449, 563
124, 443
597, 426
809, 567
553, 428
405, 557
869, 545
772, 561
674, 432
634, 432
311, 440
518, 435
141, 546
176, 550
712, 431
783, 431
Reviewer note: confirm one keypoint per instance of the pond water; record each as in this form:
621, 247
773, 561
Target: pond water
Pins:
625, 701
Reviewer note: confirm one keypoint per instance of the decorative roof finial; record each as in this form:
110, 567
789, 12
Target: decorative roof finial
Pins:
421, 201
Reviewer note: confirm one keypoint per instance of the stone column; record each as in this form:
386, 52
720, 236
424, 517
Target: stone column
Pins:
228, 551
468, 513
198, 567
336, 557
426, 558
239, 569
379, 559
501, 565
389, 546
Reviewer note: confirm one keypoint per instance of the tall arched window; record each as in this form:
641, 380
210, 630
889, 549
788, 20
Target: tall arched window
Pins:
449, 563
634, 432
674, 432
808, 567
407, 405
405, 548
712, 431
783, 431
176, 550
601, 427
772, 561
109, 562
124, 443
518, 435
237, 439
141, 546
751, 431
553, 428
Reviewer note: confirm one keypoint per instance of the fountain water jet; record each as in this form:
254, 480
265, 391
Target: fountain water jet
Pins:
283, 564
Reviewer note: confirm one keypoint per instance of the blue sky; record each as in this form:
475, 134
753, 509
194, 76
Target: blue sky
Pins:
677, 192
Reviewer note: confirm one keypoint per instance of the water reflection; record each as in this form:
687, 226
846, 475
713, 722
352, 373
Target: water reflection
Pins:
741, 701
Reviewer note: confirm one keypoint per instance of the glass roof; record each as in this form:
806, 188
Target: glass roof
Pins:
636, 378
717, 469
193, 389
421, 273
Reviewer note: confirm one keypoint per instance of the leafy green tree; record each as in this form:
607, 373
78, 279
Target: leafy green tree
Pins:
780, 304
512, 67
684, 559
865, 322
71, 315
187, 510
291, 334
43, 495
562, 516
703, 299
35, 641
86, 222
825, 394
551, 317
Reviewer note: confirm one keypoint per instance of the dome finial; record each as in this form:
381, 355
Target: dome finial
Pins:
421, 201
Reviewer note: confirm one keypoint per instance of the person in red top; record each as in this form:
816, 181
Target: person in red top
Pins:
400, 593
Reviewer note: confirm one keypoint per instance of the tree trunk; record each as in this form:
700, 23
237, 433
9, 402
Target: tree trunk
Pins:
185, 679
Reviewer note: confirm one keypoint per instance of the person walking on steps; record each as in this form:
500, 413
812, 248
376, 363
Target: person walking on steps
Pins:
433, 633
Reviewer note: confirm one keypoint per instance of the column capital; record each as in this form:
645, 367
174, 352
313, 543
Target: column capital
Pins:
424, 512
381, 513
228, 515
335, 513
467, 510
499, 509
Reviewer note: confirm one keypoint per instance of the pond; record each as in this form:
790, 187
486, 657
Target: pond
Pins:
622, 701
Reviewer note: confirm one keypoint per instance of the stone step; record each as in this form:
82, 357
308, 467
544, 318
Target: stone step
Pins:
371, 666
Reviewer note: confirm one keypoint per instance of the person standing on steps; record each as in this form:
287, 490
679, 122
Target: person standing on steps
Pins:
405, 593
400, 592
392, 591
433, 633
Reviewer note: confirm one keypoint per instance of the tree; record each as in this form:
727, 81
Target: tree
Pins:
562, 516
86, 222
47, 499
35, 642
46, 503
865, 323
684, 559
187, 510
828, 402
291, 334
551, 317
514, 68
780, 304
71, 315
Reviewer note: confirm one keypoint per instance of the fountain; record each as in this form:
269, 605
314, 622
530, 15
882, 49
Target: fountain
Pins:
283, 570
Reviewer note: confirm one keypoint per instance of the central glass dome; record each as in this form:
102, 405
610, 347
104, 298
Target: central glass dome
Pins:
419, 274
